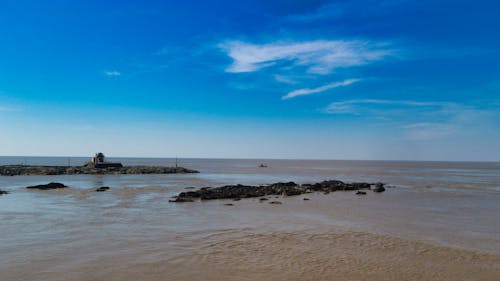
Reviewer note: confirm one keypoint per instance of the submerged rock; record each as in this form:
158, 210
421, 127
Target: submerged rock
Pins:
52, 185
181, 200
361, 193
275, 202
102, 189
379, 187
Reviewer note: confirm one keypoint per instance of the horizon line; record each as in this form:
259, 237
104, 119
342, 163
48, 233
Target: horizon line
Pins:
256, 158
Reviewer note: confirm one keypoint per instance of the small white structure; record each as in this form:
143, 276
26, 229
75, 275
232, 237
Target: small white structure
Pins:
99, 161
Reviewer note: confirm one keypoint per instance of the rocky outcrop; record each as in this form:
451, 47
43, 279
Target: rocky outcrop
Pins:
275, 202
239, 191
18, 170
3, 192
102, 189
52, 185
379, 187
182, 199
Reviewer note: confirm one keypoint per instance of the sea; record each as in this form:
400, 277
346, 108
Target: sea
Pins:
64, 234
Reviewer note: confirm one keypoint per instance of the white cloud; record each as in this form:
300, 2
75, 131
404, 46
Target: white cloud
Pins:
112, 73
356, 106
319, 57
310, 91
284, 79
418, 120
428, 131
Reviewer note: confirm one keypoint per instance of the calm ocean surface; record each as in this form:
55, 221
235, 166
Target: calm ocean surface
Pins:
482, 176
453, 204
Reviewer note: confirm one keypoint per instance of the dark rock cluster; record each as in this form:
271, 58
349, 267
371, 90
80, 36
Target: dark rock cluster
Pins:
239, 191
18, 170
52, 185
102, 189
2, 192
379, 187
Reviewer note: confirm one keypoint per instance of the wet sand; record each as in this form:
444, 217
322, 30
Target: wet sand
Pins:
236, 255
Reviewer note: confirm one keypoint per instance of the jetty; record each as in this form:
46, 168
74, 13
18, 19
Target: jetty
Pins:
96, 166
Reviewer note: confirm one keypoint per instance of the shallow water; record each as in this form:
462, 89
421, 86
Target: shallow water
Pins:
443, 207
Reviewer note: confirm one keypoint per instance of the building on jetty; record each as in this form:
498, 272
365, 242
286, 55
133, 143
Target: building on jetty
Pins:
99, 161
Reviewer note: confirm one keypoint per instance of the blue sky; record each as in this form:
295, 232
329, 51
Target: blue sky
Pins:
362, 79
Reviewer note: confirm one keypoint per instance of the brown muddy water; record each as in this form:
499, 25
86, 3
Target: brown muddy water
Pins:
440, 222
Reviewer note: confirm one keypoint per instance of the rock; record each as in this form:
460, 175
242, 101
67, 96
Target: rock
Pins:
228, 204
16, 170
275, 202
239, 191
52, 185
3, 192
306, 199
358, 186
360, 193
379, 187
181, 200
236, 199
192, 194
102, 188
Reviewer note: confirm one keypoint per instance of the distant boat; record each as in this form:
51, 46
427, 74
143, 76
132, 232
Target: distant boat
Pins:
263, 166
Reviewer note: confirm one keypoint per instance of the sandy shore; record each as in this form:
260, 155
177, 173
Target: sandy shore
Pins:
243, 255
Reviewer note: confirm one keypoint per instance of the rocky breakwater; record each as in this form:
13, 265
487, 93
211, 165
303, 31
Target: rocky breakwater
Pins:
288, 189
49, 186
23, 170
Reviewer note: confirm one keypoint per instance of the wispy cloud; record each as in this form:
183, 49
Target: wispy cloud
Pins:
284, 79
418, 120
428, 131
318, 57
112, 73
357, 106
310, 91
